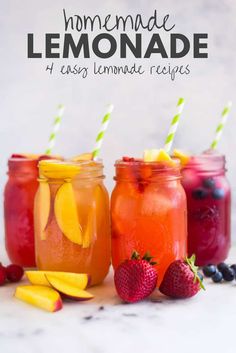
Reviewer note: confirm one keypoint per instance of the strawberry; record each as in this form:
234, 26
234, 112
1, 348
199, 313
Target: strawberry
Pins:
136, 278
181, 279
128, 159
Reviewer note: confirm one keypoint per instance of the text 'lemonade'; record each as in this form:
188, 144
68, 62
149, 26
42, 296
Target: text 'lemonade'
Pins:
148, 210
72, 219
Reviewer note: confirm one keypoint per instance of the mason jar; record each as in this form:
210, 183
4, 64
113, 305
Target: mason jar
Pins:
148, 213
19, 196
72, 228
209, 208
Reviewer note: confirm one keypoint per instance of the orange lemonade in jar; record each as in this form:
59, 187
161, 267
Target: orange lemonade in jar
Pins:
148, 212
72, 228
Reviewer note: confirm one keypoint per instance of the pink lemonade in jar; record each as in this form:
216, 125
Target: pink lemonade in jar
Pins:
19, 196
209, 207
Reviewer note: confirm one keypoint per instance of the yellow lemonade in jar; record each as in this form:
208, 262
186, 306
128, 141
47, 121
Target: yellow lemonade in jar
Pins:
72, 227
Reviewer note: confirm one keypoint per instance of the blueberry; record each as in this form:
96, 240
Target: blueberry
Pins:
217, 277
200, 276
199, 193
209, 270
221, 266
228, 274
234, 269
209, 183
218, 194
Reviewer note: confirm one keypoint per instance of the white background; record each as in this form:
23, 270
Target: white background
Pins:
144, 105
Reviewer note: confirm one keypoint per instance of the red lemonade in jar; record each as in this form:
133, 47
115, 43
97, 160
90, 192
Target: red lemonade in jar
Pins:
148, 212
19, 196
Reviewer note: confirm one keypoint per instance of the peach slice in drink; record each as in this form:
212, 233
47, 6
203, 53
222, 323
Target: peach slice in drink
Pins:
66, 213
80, 280
42, 198
43, 297
94, 218
55, 169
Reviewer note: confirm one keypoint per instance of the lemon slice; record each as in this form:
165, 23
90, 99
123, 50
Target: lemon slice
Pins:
157, 155
163, 156
150, 155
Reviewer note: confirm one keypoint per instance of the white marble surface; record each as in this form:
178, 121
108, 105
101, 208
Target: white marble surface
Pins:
205, 322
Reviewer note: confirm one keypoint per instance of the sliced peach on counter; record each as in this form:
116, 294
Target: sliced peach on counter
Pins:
68, 290
80, 280
83, 157
184, 158
42, 297
43, 202
66, 213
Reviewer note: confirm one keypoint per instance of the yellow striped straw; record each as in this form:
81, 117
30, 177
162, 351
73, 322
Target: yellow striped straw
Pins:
101, 133
220, 127
174, 125
56, 126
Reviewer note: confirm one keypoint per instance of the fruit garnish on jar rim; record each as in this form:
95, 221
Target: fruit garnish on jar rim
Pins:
158, 155
182, 156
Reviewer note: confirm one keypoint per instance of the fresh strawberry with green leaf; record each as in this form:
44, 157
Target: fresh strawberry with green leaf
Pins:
136, 278
181, 279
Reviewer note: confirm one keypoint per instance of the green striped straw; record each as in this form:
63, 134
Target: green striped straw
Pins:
100, 136
56, 126
220, 127
174, 125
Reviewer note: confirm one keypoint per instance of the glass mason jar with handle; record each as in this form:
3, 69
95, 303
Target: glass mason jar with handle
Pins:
72, 229
148, 213
209, 206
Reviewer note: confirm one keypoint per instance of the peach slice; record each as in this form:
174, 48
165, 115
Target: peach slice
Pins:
94, 216
55, 169
83, 157
42, 200
66, 213
42, 297
184, 158
79, 280
90, 228
68, 289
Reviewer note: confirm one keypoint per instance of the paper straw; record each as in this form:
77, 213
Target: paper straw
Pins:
56, 126
101, 133
174, 126
220, 127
